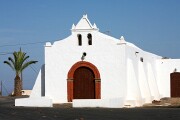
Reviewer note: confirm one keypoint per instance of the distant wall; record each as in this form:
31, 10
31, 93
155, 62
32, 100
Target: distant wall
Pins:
165, 67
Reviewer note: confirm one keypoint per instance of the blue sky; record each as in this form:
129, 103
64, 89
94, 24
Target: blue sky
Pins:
153, 25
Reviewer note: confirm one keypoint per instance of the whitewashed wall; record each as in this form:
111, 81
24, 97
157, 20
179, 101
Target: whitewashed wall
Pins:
141, 76
39, 86
104, 53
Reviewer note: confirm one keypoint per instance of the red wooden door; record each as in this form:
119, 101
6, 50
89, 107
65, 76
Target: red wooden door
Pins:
175, 84
84, 84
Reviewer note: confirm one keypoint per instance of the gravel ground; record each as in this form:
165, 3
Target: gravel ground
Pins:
65, 112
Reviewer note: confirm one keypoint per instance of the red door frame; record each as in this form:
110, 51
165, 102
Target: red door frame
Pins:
71, 74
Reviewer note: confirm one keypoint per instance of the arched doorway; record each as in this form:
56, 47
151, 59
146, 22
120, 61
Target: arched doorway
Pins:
83, 82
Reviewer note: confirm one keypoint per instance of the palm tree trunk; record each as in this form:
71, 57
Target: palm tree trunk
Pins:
17, 86
21, 81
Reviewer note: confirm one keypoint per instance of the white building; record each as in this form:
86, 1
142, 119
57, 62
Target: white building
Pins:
92, 69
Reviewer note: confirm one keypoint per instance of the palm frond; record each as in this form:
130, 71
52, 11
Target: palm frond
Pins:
19, 59
25, 58
11, 60
8, 63
27, 64
15, 56
19, 62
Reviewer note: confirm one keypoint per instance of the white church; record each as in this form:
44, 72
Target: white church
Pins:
92, 69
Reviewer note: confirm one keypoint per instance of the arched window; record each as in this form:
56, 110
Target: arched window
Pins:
89, 36
79, 39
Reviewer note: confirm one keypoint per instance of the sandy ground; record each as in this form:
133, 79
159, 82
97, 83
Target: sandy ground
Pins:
65, 112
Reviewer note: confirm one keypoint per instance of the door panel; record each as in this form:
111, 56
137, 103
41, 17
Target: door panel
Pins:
84, 84
175, 84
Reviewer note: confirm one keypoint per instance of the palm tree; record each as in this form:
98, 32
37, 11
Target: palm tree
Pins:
18, 64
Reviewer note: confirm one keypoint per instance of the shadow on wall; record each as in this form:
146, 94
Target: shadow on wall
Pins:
43, 80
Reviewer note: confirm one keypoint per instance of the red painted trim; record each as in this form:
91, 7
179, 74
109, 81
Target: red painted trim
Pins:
71, 74
98, 90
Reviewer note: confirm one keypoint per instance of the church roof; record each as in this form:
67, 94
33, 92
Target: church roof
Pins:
84, 24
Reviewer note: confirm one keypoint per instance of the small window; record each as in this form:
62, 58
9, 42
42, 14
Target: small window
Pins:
141, 59
89, 36
79, 39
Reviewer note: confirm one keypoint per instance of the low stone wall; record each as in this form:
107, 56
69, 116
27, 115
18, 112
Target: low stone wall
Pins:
171, 102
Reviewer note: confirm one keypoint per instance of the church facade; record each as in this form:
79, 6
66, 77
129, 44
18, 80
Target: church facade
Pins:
92, 69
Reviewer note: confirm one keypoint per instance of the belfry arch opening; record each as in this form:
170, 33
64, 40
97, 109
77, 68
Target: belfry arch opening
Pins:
89, 36
83, 76
79, 39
